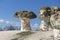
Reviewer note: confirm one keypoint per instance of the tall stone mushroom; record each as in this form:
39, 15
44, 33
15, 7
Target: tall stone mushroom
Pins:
44, 15
25, 17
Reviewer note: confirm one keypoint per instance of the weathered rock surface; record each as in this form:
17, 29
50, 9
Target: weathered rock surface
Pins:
45, 26
26, 35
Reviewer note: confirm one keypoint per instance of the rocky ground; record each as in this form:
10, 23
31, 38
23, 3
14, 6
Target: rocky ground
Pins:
26, 35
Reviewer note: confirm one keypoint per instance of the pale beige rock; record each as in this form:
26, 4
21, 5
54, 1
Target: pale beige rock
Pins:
55, 22
45, 26
44, 15
26, 35
51, 15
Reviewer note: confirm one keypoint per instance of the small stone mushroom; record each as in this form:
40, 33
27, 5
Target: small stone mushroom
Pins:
44, 13
25, 17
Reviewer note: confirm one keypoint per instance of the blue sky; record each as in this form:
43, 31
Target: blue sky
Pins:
9, 7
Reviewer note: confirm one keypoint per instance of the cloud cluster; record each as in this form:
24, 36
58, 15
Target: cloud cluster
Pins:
9, 22
34, 26
1, 20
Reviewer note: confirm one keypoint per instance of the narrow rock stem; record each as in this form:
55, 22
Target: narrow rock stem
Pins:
25, 24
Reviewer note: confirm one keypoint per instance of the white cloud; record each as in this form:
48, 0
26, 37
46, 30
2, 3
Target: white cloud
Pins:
10, 22
7, 22
1, 20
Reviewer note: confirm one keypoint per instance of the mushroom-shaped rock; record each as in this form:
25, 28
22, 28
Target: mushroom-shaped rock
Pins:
44, 13
25, 17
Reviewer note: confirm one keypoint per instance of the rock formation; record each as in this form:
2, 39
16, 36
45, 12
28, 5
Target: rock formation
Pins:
55, 22
50, 17
44, 26
44, 15
25, 17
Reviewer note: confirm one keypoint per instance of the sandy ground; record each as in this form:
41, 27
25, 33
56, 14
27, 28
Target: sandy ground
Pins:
36, 35
5, 35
